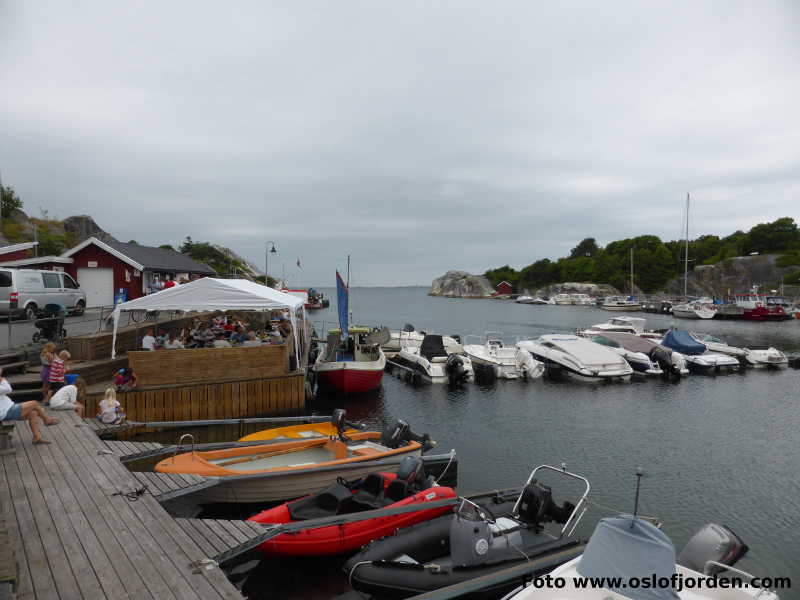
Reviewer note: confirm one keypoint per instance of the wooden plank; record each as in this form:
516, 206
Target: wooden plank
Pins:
166, 542
235, 533
221, 532
211, 538
24, 582
197, 538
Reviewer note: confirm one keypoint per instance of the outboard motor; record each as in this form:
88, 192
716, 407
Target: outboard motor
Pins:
455, 369
663, 359
399, 433
412, 471
338, 420
536, 506
408, 328
712, 542
456, 337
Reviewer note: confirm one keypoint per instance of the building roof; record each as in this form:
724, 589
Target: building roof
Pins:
9, 248
147, 257
39, 260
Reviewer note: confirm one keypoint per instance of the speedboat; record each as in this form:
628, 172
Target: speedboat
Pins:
277, 471
697, 355
352, 365
644, 355
410, 337
703, 308
765, 357
621, 324
409, 486
562, 299
582, 300
432, 362
621, 303
502, 362
577, 358
480, 539
525, 300
627, 549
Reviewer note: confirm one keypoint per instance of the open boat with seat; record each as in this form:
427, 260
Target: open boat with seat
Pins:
771, 358
351, 365
434, 361
502, 362
577, 358
481, 538
627, 549
277, 471
409, 486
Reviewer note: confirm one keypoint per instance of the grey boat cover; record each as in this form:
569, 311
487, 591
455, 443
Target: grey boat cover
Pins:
618, 550
629, 341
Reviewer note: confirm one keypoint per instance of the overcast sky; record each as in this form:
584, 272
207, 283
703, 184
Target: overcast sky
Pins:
416, 136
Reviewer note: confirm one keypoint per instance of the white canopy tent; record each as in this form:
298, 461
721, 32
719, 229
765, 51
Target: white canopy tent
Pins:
209, 293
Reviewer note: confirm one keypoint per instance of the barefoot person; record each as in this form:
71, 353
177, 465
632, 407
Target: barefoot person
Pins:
24, 411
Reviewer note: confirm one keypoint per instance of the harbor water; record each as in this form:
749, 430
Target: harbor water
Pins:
713, 448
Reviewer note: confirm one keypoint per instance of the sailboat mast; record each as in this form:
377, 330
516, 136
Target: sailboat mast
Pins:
631, 270
686, 252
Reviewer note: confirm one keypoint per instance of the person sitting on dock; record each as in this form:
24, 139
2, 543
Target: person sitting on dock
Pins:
70, 397
125, 380
173, 343
110, 410
285, 327
221, 342
29, 411
251, 340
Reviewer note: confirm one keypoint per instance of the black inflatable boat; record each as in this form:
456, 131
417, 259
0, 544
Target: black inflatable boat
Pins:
481, 538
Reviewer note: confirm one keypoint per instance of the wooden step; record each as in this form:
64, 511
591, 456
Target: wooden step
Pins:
11, 357
15, 367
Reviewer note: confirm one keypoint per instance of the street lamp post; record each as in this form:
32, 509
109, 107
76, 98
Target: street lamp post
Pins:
266, 260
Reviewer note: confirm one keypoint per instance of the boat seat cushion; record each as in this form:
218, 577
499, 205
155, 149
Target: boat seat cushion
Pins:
369, 494
397, 490
334, 500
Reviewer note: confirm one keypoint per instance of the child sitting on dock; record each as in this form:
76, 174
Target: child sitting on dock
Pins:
110, 409
125, 380
70, 397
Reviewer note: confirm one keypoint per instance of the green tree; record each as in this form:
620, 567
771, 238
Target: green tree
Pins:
9, 201
166, 247
587, 247
504, 273
781, 234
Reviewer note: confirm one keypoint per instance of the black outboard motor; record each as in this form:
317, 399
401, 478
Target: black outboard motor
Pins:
412, 472
455, 369
663, 358
338, 420
408, 328
536, 506
712, 542
398, 433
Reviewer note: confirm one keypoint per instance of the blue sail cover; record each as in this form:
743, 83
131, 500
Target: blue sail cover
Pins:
342, 294
626, 547
680, 341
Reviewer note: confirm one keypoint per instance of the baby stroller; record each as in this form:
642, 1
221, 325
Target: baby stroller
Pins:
51, 325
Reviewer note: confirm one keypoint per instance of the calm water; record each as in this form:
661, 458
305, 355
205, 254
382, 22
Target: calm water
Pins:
714, 449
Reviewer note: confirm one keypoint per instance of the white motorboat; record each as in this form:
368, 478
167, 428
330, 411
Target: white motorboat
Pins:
697, 355
623, 550
410, 337
621, 303
525, 300
763, 357
645, 355
703, 308
503, 362
582, 300
621, 324
561, 299
577, 358
433, 362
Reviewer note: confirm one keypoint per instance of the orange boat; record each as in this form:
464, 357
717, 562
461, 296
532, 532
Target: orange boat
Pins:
290, 469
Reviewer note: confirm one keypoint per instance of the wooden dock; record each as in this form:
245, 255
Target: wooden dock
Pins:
81, 527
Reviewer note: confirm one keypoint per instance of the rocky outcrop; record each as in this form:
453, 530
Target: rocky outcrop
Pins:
731, 276
460, 284
244, 268
82, 227
571, 287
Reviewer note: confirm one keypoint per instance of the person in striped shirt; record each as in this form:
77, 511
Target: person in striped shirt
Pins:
58, 369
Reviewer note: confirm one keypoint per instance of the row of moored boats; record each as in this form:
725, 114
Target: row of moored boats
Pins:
610, 351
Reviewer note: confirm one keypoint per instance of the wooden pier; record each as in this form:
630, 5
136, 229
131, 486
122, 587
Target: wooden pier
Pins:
81, 526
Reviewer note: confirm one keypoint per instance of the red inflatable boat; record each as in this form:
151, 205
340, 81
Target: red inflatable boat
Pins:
376, 490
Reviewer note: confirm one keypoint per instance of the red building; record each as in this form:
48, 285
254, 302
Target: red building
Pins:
106, 269
503, 289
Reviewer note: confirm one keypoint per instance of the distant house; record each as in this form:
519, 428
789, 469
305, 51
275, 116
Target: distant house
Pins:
504, 288
13, 252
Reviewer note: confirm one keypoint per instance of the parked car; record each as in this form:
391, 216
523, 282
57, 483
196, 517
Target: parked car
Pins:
25, 292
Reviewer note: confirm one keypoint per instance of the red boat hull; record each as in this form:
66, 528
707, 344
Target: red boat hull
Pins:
350, 381
762, 313
338, 539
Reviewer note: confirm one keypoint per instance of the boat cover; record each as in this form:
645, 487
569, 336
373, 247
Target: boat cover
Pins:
627, 547
629, 341
432, 346
683, 342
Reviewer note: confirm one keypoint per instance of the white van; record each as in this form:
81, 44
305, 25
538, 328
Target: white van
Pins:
25, 292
